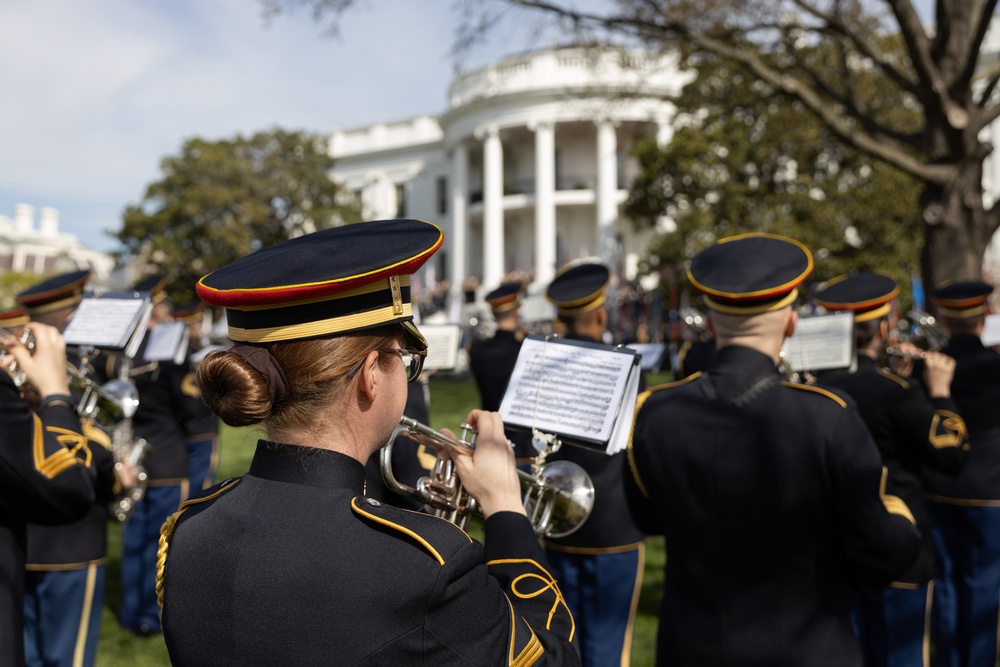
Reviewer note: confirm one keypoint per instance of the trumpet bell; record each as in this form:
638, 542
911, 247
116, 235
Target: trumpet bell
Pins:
123, 395
559, 498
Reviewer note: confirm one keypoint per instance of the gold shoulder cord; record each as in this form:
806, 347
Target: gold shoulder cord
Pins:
167, 532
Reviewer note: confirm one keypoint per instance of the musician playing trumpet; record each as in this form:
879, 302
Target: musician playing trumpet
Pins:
64, 595
915, 428
292, 563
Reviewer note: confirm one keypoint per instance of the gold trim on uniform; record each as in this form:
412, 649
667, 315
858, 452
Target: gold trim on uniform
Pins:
893, 504
752, 310
961, 502
318, 328
636, 591
64, 567
54, 305
167, 532
570, 311
955, 431
593, 550
88, 604
189, 387
403, 529
892, 376
57, 462
550, 584
95, 434
630, 455
531, 653
823, 392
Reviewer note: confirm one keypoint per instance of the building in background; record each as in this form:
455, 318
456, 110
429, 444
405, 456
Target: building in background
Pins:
44, 249
526, 170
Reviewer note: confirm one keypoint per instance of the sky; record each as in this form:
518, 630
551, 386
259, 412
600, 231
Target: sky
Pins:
94, 94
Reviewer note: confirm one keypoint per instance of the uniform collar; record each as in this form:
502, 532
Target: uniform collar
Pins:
573, 336
309, 466
965, 342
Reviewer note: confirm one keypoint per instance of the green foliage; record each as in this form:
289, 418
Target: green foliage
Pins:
220, 200
745, 159
14, 282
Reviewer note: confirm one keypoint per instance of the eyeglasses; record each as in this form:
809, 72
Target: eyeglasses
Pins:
413, 361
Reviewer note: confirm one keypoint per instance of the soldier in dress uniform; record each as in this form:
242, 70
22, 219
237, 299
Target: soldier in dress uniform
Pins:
599, 566
912, 429
42, 477
163, 412
66, 564
771, 495
292, 564
492, 361
965, 510
203, 428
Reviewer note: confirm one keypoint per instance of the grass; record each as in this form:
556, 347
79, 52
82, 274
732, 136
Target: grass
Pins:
451, 400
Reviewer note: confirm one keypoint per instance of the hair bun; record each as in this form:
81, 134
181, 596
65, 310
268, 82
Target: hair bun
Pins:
233, 389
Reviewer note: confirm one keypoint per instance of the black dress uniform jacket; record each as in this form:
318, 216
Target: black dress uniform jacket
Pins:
769, 496
976, 391
911, 431
491, 362
160, 419
610, 525
292, 565
41, 480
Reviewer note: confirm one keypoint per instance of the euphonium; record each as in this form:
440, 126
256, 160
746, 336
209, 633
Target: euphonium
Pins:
558, 496
107, 403
128, 451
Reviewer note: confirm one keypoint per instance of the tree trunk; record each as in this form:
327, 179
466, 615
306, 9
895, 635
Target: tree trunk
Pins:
957, 230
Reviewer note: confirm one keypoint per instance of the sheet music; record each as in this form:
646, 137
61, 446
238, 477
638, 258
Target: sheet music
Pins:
167, 342
651, 353
991, 331
821, 343
536, 308
442, 345
569, 389
105, 322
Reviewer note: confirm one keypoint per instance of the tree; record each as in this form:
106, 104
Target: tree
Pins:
220, 200
744, 161
937, 72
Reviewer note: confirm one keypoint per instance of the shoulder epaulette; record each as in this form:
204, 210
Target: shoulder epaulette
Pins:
439, 537
635, 416
889, 375
167, 530
818, 390
675, 383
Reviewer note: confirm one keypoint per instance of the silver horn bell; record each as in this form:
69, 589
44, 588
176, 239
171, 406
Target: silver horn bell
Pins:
558, 496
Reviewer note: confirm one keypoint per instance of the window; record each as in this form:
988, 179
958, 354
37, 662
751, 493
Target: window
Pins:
401, 200
442, 195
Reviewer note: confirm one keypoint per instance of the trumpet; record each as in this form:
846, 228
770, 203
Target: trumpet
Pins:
558, 496
28, 340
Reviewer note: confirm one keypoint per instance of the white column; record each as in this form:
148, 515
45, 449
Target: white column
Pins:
545, 207
607, 190
995, 161
493, 250
459, 224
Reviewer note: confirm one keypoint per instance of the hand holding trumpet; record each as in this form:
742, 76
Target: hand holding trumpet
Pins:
44, 365
490, 473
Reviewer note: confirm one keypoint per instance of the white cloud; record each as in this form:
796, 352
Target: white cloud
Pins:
95, 94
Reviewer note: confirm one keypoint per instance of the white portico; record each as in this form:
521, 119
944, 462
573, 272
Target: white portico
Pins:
527, 169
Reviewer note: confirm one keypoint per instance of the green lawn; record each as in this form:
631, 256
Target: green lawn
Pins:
451, 401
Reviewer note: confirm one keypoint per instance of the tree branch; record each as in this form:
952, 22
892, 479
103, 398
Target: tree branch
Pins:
972, 53
835, 25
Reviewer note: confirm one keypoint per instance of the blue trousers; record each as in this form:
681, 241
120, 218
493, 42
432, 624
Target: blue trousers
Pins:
602, 591
62, 616
967, 584
892, 625
140, 612
202, 461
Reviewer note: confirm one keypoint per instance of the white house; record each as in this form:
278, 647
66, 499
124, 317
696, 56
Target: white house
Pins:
528, 167
44, 249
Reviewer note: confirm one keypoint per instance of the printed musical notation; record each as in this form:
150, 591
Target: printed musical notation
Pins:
821, 342
572, 390
109, 322
442, 345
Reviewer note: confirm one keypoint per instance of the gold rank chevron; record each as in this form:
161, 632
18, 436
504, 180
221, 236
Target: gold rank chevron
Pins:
52, 465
